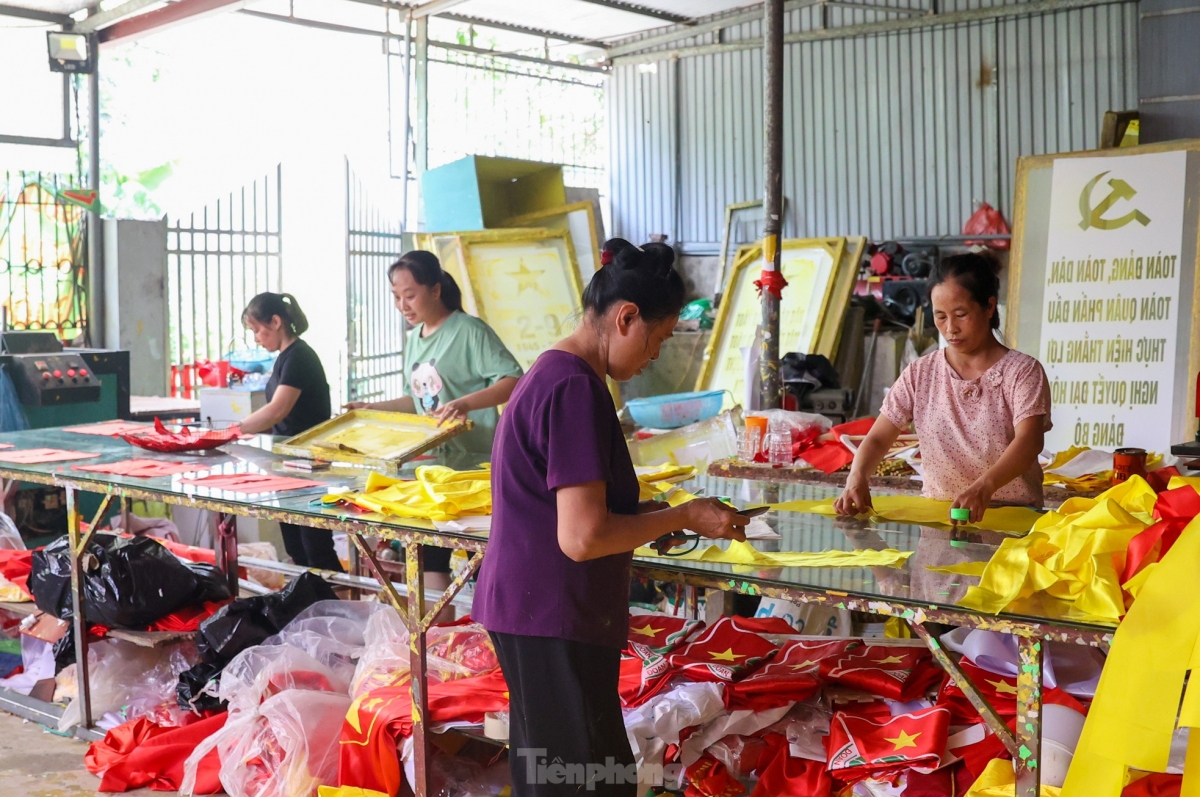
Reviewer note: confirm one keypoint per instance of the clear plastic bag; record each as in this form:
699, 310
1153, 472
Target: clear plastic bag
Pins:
128, 679
456, 776
384, 660
287, 748
454, 651
799, 423
10, 535
263, 671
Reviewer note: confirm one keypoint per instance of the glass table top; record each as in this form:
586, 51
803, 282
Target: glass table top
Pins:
911, 583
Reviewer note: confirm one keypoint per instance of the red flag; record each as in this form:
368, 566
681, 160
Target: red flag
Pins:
771, 626
639, 681
15, 567
790, 676
999, 690
1154, 785
708, 777
658, 633
140, 754
860, 747
378, 719
785, 776
722, 653
893, 673
651, 638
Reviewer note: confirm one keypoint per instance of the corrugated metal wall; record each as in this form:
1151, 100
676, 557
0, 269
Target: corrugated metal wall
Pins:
887, 135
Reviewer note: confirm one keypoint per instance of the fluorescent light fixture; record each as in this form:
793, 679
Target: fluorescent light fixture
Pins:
71, 52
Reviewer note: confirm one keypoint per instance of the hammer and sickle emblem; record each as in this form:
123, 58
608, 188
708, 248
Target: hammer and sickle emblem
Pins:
1094, 216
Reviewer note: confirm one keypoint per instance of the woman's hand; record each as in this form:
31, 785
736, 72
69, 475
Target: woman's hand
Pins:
714, 519
357, 405
855, 499
452, 411
975, 498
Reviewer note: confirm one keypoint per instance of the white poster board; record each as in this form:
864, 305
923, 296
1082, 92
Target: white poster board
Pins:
1101, 291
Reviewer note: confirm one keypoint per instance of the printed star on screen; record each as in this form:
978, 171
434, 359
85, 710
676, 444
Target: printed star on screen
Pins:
647, 630
527, 278
1003, 688
903, 740
728, 655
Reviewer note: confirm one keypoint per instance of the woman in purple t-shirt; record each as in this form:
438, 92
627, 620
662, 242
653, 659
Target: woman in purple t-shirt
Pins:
553, 588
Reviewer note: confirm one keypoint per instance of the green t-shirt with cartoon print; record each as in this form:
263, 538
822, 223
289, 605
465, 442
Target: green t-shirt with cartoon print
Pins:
462, 356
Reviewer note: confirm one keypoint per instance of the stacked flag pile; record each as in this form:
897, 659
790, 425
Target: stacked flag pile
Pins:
748, 707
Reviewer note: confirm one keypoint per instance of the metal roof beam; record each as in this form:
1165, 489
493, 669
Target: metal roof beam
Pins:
103, 18
640, 10
700, 28
873, 28
433, 7
40, 16
162, 17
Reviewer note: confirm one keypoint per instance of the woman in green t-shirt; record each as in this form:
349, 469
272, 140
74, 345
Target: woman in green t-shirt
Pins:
455, 364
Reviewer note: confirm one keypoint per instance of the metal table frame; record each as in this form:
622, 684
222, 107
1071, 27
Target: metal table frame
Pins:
418, 618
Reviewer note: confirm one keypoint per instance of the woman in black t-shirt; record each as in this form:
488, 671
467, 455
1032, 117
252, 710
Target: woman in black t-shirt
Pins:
297, 400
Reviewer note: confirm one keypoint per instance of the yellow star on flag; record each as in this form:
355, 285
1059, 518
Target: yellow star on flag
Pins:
903, 740
804, 665
527, 278
891, 660
647, 630
1003, 688
728, 655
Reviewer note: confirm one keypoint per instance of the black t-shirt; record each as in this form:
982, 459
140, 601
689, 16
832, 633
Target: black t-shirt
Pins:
299, 366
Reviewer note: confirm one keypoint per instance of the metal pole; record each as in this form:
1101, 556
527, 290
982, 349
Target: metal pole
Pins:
421, 134
96, 315
408, 64
769, 385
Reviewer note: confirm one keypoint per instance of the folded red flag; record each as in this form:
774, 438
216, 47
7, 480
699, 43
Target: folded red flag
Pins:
1155, 784
162, 439
377, 721
140, 754
659, 634
141, 468
708, 777
41, 456
1000, 692
721, 653
861, 747
786, 776
772, 626
109, 428
641, 680
251, 483
891, 672
651, 638
790, 676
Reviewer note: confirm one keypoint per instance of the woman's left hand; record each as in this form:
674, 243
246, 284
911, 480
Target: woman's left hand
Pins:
452, 411
975, 498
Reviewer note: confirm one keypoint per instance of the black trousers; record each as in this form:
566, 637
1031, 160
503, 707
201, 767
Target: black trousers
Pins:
566, 732
310, 547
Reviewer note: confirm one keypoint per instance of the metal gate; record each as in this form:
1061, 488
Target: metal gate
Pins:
43, 252
375, 331
218, 258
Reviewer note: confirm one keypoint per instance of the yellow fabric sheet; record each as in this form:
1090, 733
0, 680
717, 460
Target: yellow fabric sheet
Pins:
925, 512
1068, 565
743, 553
1132, 720
440, 493
998, 780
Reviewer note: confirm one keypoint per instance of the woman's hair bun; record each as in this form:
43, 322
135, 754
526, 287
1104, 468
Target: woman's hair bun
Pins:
640, 274
658, 258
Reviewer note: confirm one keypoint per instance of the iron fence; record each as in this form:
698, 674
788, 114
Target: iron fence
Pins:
218, 258
375, 331
43, 260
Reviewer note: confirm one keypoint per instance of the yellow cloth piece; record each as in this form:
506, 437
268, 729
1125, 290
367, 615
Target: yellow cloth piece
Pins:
11, 593
1068, 566
1184, 481
437, 493
998, 780
925, 512
1132, 720
661, 480
743, 553
348, 791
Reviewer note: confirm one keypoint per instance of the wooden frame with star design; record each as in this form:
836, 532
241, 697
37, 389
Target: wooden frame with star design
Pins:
523, 282
736, 317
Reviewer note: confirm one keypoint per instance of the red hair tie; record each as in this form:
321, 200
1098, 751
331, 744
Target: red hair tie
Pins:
606, 257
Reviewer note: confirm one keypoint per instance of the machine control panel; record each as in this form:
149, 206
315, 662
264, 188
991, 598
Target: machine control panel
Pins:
44, 379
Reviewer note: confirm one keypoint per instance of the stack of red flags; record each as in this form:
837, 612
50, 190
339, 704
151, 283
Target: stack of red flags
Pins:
891, 672
862, 746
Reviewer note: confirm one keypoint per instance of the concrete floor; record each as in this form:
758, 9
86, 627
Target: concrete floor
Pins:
34, 763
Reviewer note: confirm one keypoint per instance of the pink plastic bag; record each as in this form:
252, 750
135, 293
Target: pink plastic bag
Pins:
986, 220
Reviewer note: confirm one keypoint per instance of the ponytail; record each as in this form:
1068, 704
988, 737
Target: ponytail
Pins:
644, 275
427, 270
265, 306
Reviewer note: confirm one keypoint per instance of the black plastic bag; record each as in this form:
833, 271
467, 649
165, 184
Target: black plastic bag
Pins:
128, 582
242, 624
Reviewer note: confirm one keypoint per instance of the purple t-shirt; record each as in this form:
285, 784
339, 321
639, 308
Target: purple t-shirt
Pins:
559, 429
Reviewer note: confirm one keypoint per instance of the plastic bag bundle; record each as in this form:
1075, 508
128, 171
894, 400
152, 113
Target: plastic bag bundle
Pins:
128, 582
384, 661
129, 680
263, 671
459, 651
10, 535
